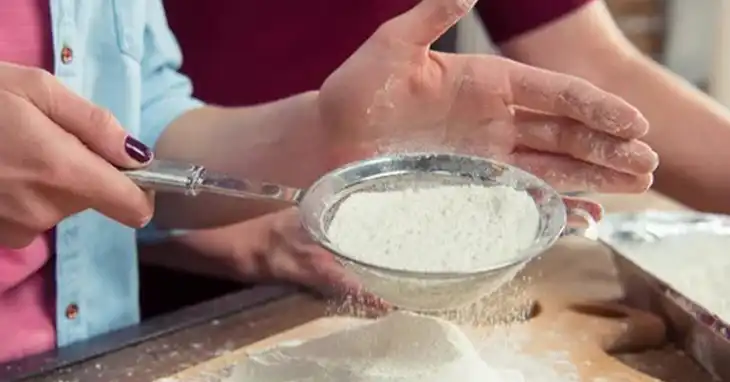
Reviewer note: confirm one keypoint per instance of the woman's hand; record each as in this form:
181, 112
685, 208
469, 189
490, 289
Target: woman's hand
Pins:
292, 256
270, 248
395, 94
58, 154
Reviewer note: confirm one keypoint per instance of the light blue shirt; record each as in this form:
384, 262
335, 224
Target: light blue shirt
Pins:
124, 58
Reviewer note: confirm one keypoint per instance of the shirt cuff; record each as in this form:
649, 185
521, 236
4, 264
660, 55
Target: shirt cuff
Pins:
158, 117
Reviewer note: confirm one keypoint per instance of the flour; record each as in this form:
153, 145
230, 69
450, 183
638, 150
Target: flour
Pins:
448, 228
401, 347
697, 265
406, 347
510, 303
503, 349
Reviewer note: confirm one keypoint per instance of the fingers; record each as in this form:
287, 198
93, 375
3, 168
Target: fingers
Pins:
568, 174
561, 135
330, 277
94, 126
318, 270
359, 304
423, 24
61, 153
15, 236
592, 208
575, 98
111, 193
79, 178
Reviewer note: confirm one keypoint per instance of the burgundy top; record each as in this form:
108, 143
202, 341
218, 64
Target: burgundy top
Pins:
240, 52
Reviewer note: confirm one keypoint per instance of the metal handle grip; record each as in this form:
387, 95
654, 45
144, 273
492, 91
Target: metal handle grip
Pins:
161, 175
191, 180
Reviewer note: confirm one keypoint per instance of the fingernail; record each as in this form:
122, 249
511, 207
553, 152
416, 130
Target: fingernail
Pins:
655, 156
651, 159
137, 150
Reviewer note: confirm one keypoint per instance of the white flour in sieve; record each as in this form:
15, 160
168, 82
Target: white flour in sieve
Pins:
697, 265
448, 228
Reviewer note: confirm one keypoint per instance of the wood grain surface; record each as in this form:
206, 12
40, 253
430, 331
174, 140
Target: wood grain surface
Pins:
577, 292
583, 336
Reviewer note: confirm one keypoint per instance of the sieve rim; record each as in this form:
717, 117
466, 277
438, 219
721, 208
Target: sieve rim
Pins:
538, 245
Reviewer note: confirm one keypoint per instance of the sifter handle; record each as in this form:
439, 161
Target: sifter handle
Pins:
169, 176
192, 179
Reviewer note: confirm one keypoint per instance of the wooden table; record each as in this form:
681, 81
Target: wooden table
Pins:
578, 268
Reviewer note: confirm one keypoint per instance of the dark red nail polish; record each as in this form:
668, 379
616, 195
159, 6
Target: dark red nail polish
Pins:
137, 150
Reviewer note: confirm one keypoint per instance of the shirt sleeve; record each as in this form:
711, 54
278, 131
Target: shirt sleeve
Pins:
166, 93
505, 19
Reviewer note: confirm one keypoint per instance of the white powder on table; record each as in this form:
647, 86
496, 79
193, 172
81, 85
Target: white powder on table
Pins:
401, 347
448, 228
697, 265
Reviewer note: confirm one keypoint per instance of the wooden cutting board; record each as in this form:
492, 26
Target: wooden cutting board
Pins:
584, 332
566, 283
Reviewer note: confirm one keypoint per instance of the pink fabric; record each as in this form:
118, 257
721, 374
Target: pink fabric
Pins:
27, 301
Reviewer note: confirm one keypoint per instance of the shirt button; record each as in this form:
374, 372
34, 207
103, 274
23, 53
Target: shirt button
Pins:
72, 311
67, 55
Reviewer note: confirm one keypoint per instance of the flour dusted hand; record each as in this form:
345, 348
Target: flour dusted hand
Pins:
396, 94
450, 228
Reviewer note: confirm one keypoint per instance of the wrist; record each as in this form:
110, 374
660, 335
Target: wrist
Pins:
228, 252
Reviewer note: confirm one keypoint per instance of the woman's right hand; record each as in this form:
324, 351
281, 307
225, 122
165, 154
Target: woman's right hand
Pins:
59, 155
395, 94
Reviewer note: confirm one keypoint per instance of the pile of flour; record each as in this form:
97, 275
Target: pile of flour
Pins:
401, 347
697, 265
448, 228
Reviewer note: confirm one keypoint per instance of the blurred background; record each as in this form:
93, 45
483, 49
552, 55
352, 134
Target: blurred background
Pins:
692, 38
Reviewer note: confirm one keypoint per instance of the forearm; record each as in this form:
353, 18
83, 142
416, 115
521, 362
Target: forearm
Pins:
222, 253
281, 142
690, 132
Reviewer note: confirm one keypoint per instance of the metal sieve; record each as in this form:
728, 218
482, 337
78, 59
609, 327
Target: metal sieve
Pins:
421, 291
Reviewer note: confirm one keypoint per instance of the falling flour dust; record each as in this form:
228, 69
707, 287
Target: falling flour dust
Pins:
448, 228
401, 347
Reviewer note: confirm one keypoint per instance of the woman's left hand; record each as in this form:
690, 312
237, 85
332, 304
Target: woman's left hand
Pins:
271, 248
